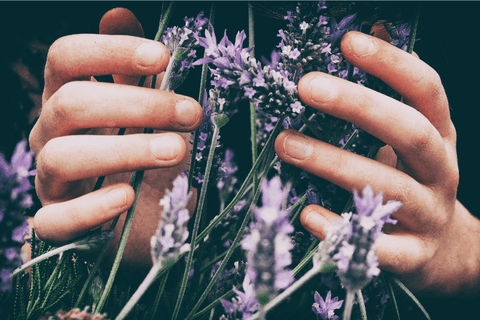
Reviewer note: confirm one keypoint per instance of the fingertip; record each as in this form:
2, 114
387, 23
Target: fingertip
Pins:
152, 54
120, 21
168, 148
118, 198
317, 219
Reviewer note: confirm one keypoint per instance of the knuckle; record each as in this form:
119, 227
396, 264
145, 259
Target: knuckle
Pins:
424, 139
47, 160
55, 54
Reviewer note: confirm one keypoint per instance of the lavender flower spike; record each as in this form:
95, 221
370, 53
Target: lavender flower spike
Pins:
269, 244
325, 309
14, 199
169, 240
350, 243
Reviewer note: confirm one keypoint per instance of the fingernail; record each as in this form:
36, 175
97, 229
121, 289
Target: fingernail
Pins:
322, 90
149, 54
297, 146
315, 222
165, 147
362, 45
186, 113
116, 198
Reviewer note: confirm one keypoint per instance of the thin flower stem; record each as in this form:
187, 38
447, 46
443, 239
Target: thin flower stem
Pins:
253, 111
140, 291
298, 205
201, 96
413, 34
361, 304
347, 311
165, 18
123, 242
49, 285
411, 295
212, 305
244, 186
314, 130
44, 256
201, 202
288, 292
96, 265
161, 287
388, 284
228, 255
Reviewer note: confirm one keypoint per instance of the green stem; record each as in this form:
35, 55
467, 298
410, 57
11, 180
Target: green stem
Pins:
165, 18
413, 34
47, 255
347, 311
253, 111
96, 265
140, 291
288, 292
361, 304
388, 284
201, 202
161, 287
312, 128
244, 186
227, 256
123, 242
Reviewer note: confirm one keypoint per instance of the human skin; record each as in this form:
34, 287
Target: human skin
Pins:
433, 248
75, 138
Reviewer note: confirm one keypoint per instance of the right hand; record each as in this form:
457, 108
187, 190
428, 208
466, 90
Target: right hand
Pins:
74, 140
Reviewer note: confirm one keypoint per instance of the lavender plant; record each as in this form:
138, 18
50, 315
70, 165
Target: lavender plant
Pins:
262, 234
14, 200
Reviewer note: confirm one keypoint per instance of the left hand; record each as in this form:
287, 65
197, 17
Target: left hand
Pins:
434, 246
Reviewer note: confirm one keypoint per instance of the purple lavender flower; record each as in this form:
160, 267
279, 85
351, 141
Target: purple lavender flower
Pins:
14, 199
236, 76
350, 243
268, 245
244, 306
169, 240
325, 309
203, 145
182, 43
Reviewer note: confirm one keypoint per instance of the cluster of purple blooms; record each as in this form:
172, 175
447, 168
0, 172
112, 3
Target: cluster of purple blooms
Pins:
204, 141
236, 76
14, 200
268, 245
169, 240
350, 242
182, 43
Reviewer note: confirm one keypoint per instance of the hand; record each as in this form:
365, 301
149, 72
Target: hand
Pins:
434, 247
74, 140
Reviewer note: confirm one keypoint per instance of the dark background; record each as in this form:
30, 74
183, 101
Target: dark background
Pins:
448, 38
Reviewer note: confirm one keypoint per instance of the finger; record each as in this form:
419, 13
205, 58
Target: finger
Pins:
417, 82
68, 159
121, 21
83, 104
398, 253
63, 221
354, 172
317, 219
407, 131
77, 57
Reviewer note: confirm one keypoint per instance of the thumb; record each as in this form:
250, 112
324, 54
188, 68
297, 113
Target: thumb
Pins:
121, 21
